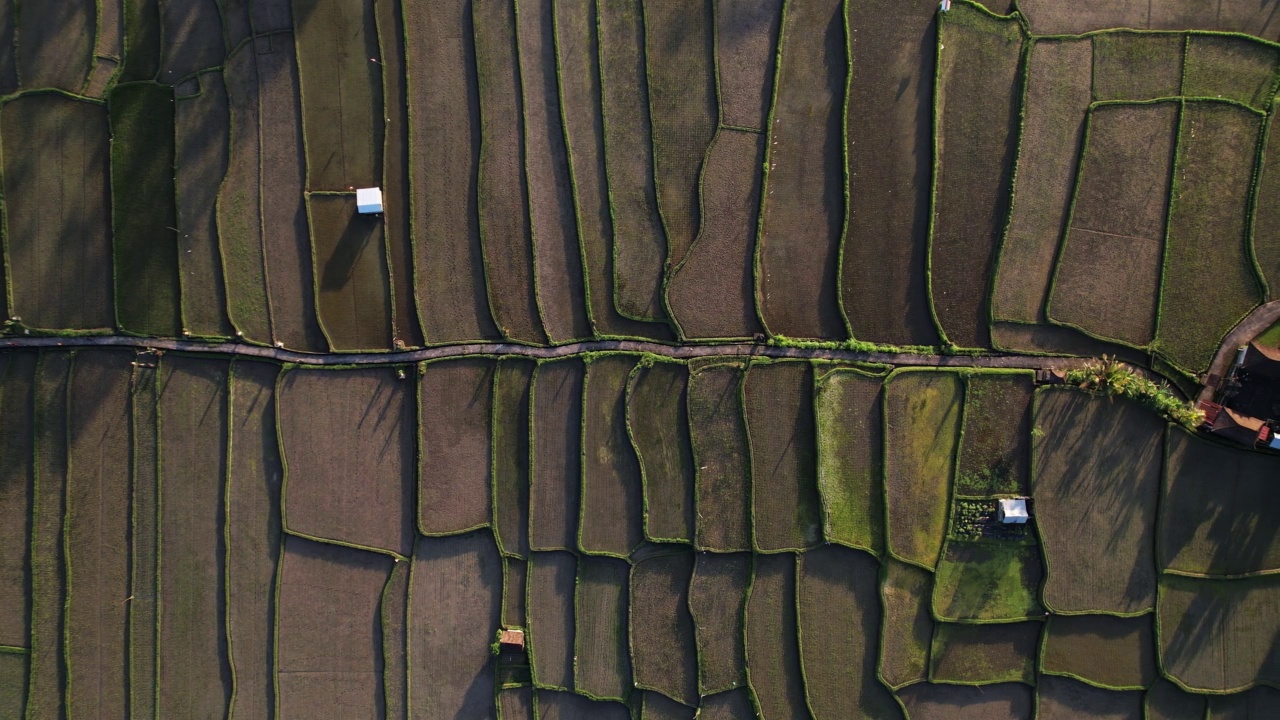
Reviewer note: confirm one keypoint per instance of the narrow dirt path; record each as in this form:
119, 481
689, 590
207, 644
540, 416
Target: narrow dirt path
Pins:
1262, 317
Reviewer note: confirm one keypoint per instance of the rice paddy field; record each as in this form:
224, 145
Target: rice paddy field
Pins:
686, 369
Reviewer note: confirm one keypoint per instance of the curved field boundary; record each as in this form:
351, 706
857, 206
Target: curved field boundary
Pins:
774, 674
1061, 698
1258, 18
906, 627
1104, 651
611, 511
721, 458
662, 639
849, 432
717, 602
1216, 637
511, 452
984, 654
658, 426
1005, 701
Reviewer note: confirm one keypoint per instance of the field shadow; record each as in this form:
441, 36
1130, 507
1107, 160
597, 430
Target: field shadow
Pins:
356, 236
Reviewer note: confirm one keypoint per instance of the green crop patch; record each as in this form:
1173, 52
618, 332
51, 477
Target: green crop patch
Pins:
1137, 65
328, 646
1094, 564
601, 659
253, 534
639, 245
550, 581
801, 208
922, 415
191, 642
839, 619
711, 292
611, 518
1231, 67
988, 581
1209, 279
717, 430
664, 653
202, 132
658, 425
774, 673
995, 447
96, 534
1109, 652
848, 412
778, 408
976, 120
559, 278
192, 38
340, 92
554, 705
1107, 280
323, 450
455, 453
1055, 103
53, 43
1260, 702
984, 654
1218, 509
353, 282
57, 193
17, 416
717, 601
1059, 698
555, 420
1167, 701
1217, 636
455, 607
929, 701
512, 381
680, 72
906, 631
394, 626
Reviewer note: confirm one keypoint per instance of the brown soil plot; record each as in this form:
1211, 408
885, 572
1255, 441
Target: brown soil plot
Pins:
59, 253
984, 654
8, 53
729, 705
656, 706
1255, 17
97, 534
1117, 653
1218, 635
717, 601
773, 651
664, 653
192, 665
976, 115
906, 631
13, 683
551, 579
718, 433
1078, 485
556, 454
328, 630
455, 416
746, 43
444, 155
927, 701
268, 16
515, 577
348, 446
801, 209
1060, 698
658, 424
145, 558
601, 660
558, 266
394, 618
455, 604
512, 382
53, 43
1108, 273
353, 282
193, 38
253, 535
849, 426
554, 705
611, 517
839, 622
17, 458
1266, 216
1231, 67
1166, 701
516, 704
1137, 66
1255, 704
786, 512
995, 446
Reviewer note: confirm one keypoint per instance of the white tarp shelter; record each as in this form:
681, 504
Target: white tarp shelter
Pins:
1013, 510
369, 201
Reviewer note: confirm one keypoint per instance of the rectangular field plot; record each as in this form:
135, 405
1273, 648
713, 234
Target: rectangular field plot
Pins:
1059, 698
145, 541
1137, 66
658, 424
728, 705
995, 446
778, 407
329, 651
984, 654
553, 705
17, 458
1111, 652
57, 239
1218, 635
927, 701
1232, 67
1266, 216
1095, 564
717, 601
601, 658
849, 422
516, 703
839, 622
774, 675
922, 411
656, 706
746, 43
1107, 280
612, 514
341, 93
1167, 701
192, 37
801, 210
394, 626
551, 580
906, 631
353, 285
1260, 702
664, 653
455, 606
515, 591
512, 381
455, 460
997, 581
1218, 509
717, 429
13, 683
348, 445
555, 447
973, 168
53, 43
1209, 280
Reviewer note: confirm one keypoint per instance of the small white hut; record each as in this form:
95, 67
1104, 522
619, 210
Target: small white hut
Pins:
1012, 510
369, 201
